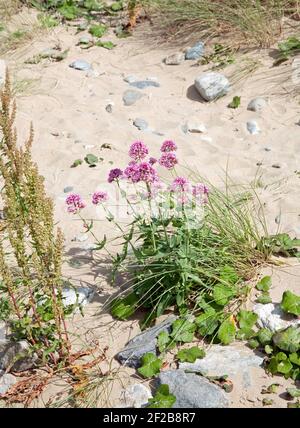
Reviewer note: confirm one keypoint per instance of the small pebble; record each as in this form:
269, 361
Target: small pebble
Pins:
142, 84
253, 127
175, 59
257, 104
80, 64
141, 124
130, 79
68, 189
276, 165
131, 96
195, 52
109, 108
194, 127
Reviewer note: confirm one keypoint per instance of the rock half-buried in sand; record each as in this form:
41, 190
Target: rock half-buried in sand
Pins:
212, 85
143, 343
193, 391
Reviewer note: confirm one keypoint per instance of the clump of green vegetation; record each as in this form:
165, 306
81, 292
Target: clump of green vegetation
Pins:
30, 248
221, 57
287, 49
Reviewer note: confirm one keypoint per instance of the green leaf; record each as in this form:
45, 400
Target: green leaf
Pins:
267, 402
293, 392
264, 284
264, 298
123, 308
69, 12
98, 30
268, 349
290, 303
183, 331
91, 159
226, 332
271, 389
162, 398
294, 358
235, 103
246, 319
223, 294
76, 163
163, 341
284, 367
245, 333
253, 343
288, 339
117, 6
106, 45
229, 275
190, 355
151, 365
264, 336
207, 323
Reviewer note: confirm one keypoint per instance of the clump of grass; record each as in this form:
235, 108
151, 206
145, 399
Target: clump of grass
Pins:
30, 247
257, 23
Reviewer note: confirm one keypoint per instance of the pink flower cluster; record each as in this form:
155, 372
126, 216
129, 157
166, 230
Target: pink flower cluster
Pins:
74, 203
138, 151
168, 158
99, 197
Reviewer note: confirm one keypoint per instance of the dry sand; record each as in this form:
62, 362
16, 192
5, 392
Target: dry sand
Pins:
70, 121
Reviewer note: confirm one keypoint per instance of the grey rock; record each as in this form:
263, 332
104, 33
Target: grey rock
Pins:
271, 316
175, 59
131, 96
86, 40
80, 64
212, 85
2, 71
130, 79
68, 189
143, 343
142, 84
109, 108
193, 391
141, 124
224, 360
257, 104
6, 381
253, 127
16, 356
136, 396
195, 52
80, 296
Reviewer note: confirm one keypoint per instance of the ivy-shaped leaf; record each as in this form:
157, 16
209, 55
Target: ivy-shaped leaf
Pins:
123, 308
288, 339
264, 298
227, 330
246, 319
264, 284
290, 303
190, 355
235, 103
162, 398
222, 294
98, 30
164, 341
207, 323
151, 365
264, 336
183, 331
91, 159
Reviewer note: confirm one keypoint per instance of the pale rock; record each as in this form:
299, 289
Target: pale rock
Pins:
136, 396
271, 316
6, 381
175, 58
212, 85
195, 127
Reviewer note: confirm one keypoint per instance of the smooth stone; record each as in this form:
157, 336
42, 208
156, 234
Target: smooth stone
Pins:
143, 343
3, 66
109, 108
175, 59
257, 104
224, 360
85, 40
131, 96
15, 355
80, 64
193, 391
130, 79
79, 295
136, 396
6, 381
141, 124
271, 316
194, 127
142, 84
68, 189
212, 85
253, 127
195, 52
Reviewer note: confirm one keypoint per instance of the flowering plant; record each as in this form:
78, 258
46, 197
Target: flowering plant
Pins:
180, 244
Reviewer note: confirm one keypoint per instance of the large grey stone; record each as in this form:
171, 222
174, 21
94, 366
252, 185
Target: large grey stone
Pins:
257, 104
6, 381
195, 52
131, 96
81, 64
212, 85
175, 58
193, 391
271, 316
224, 360
16, 357
143, 343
